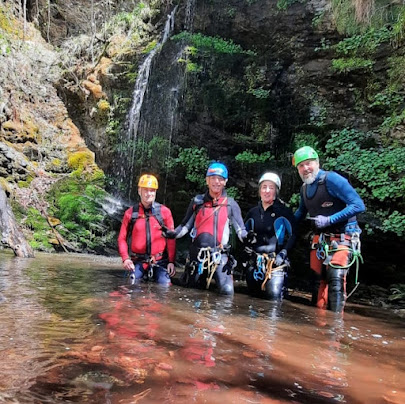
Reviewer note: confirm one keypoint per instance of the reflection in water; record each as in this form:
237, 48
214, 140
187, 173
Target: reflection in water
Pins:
72, 332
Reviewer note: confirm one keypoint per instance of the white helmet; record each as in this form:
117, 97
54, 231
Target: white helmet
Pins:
271, 177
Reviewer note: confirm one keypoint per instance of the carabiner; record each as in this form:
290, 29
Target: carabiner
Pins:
216, 257
258, 275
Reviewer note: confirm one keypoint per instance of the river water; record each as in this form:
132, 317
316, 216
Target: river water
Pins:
72, 331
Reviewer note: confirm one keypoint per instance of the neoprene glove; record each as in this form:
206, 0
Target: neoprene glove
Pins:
167, 233
322, 221
280, 257
251, 237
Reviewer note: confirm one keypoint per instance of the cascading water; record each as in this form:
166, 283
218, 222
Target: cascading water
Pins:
159, 120
189, 15
133, 117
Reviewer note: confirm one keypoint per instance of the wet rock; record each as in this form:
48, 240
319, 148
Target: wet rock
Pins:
11, 235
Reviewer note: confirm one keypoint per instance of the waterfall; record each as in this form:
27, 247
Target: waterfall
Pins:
134, 114
189, 15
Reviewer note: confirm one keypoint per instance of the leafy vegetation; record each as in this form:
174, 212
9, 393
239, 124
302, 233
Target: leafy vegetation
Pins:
377, 171
207, 44
41, 232
248, 157
351, 64
285, 4
194, 161
79, 206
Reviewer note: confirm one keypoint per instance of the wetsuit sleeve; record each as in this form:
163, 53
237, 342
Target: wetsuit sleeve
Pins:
247, 217
188, 221
170, 243
339, 187
293, 237
237, 220
302, 211
123, 235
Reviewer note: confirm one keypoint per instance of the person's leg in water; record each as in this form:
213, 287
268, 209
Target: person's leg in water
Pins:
336, 278
254, 285
223, 277
274, 286
137, 274
319, 282
160, 274
195, 276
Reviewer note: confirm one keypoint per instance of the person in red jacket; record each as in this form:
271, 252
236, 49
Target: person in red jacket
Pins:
208, 219
144, 251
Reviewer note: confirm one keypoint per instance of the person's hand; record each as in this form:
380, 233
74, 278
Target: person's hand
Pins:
251, 237
248, 250
171, 269
167, 233
128, 265
280, 258
322, 221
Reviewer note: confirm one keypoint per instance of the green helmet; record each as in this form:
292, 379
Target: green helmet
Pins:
304, 153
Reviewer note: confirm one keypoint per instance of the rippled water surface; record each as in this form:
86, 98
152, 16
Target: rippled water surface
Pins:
71, 331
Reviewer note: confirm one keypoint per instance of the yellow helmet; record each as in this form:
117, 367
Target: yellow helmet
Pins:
148, 181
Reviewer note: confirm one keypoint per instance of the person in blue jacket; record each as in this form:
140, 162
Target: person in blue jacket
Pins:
332, 204
273, 226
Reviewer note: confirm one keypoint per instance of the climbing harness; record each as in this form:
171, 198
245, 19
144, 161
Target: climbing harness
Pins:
325, 248
208, 259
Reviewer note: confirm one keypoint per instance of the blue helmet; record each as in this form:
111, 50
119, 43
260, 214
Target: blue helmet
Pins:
217, 169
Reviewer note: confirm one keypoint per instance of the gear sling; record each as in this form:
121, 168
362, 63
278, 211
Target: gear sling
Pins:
208, 259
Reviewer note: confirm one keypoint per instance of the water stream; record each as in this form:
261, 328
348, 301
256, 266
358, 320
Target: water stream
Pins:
72, 331
134, 114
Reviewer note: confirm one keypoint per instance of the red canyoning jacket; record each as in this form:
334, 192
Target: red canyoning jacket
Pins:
146, 229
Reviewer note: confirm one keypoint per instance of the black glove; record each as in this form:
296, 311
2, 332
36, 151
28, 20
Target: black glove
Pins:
167, 233
230, 265
248, 250
251, 238
280, 257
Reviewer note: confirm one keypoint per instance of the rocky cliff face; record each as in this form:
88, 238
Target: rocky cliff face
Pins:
37, 136
250, 75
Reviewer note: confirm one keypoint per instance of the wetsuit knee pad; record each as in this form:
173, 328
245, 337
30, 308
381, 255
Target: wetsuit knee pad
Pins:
274, 286
226, 289
224, 282
337, 288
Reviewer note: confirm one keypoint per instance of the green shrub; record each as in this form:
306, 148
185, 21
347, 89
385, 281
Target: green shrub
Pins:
346, 65
79, 206
203, 43
195, 162
377, 172
249, 157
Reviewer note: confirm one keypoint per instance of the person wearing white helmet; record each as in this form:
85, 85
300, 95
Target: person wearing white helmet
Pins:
273, 226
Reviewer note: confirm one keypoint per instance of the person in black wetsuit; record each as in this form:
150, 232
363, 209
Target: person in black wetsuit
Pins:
273, 226
333, 205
